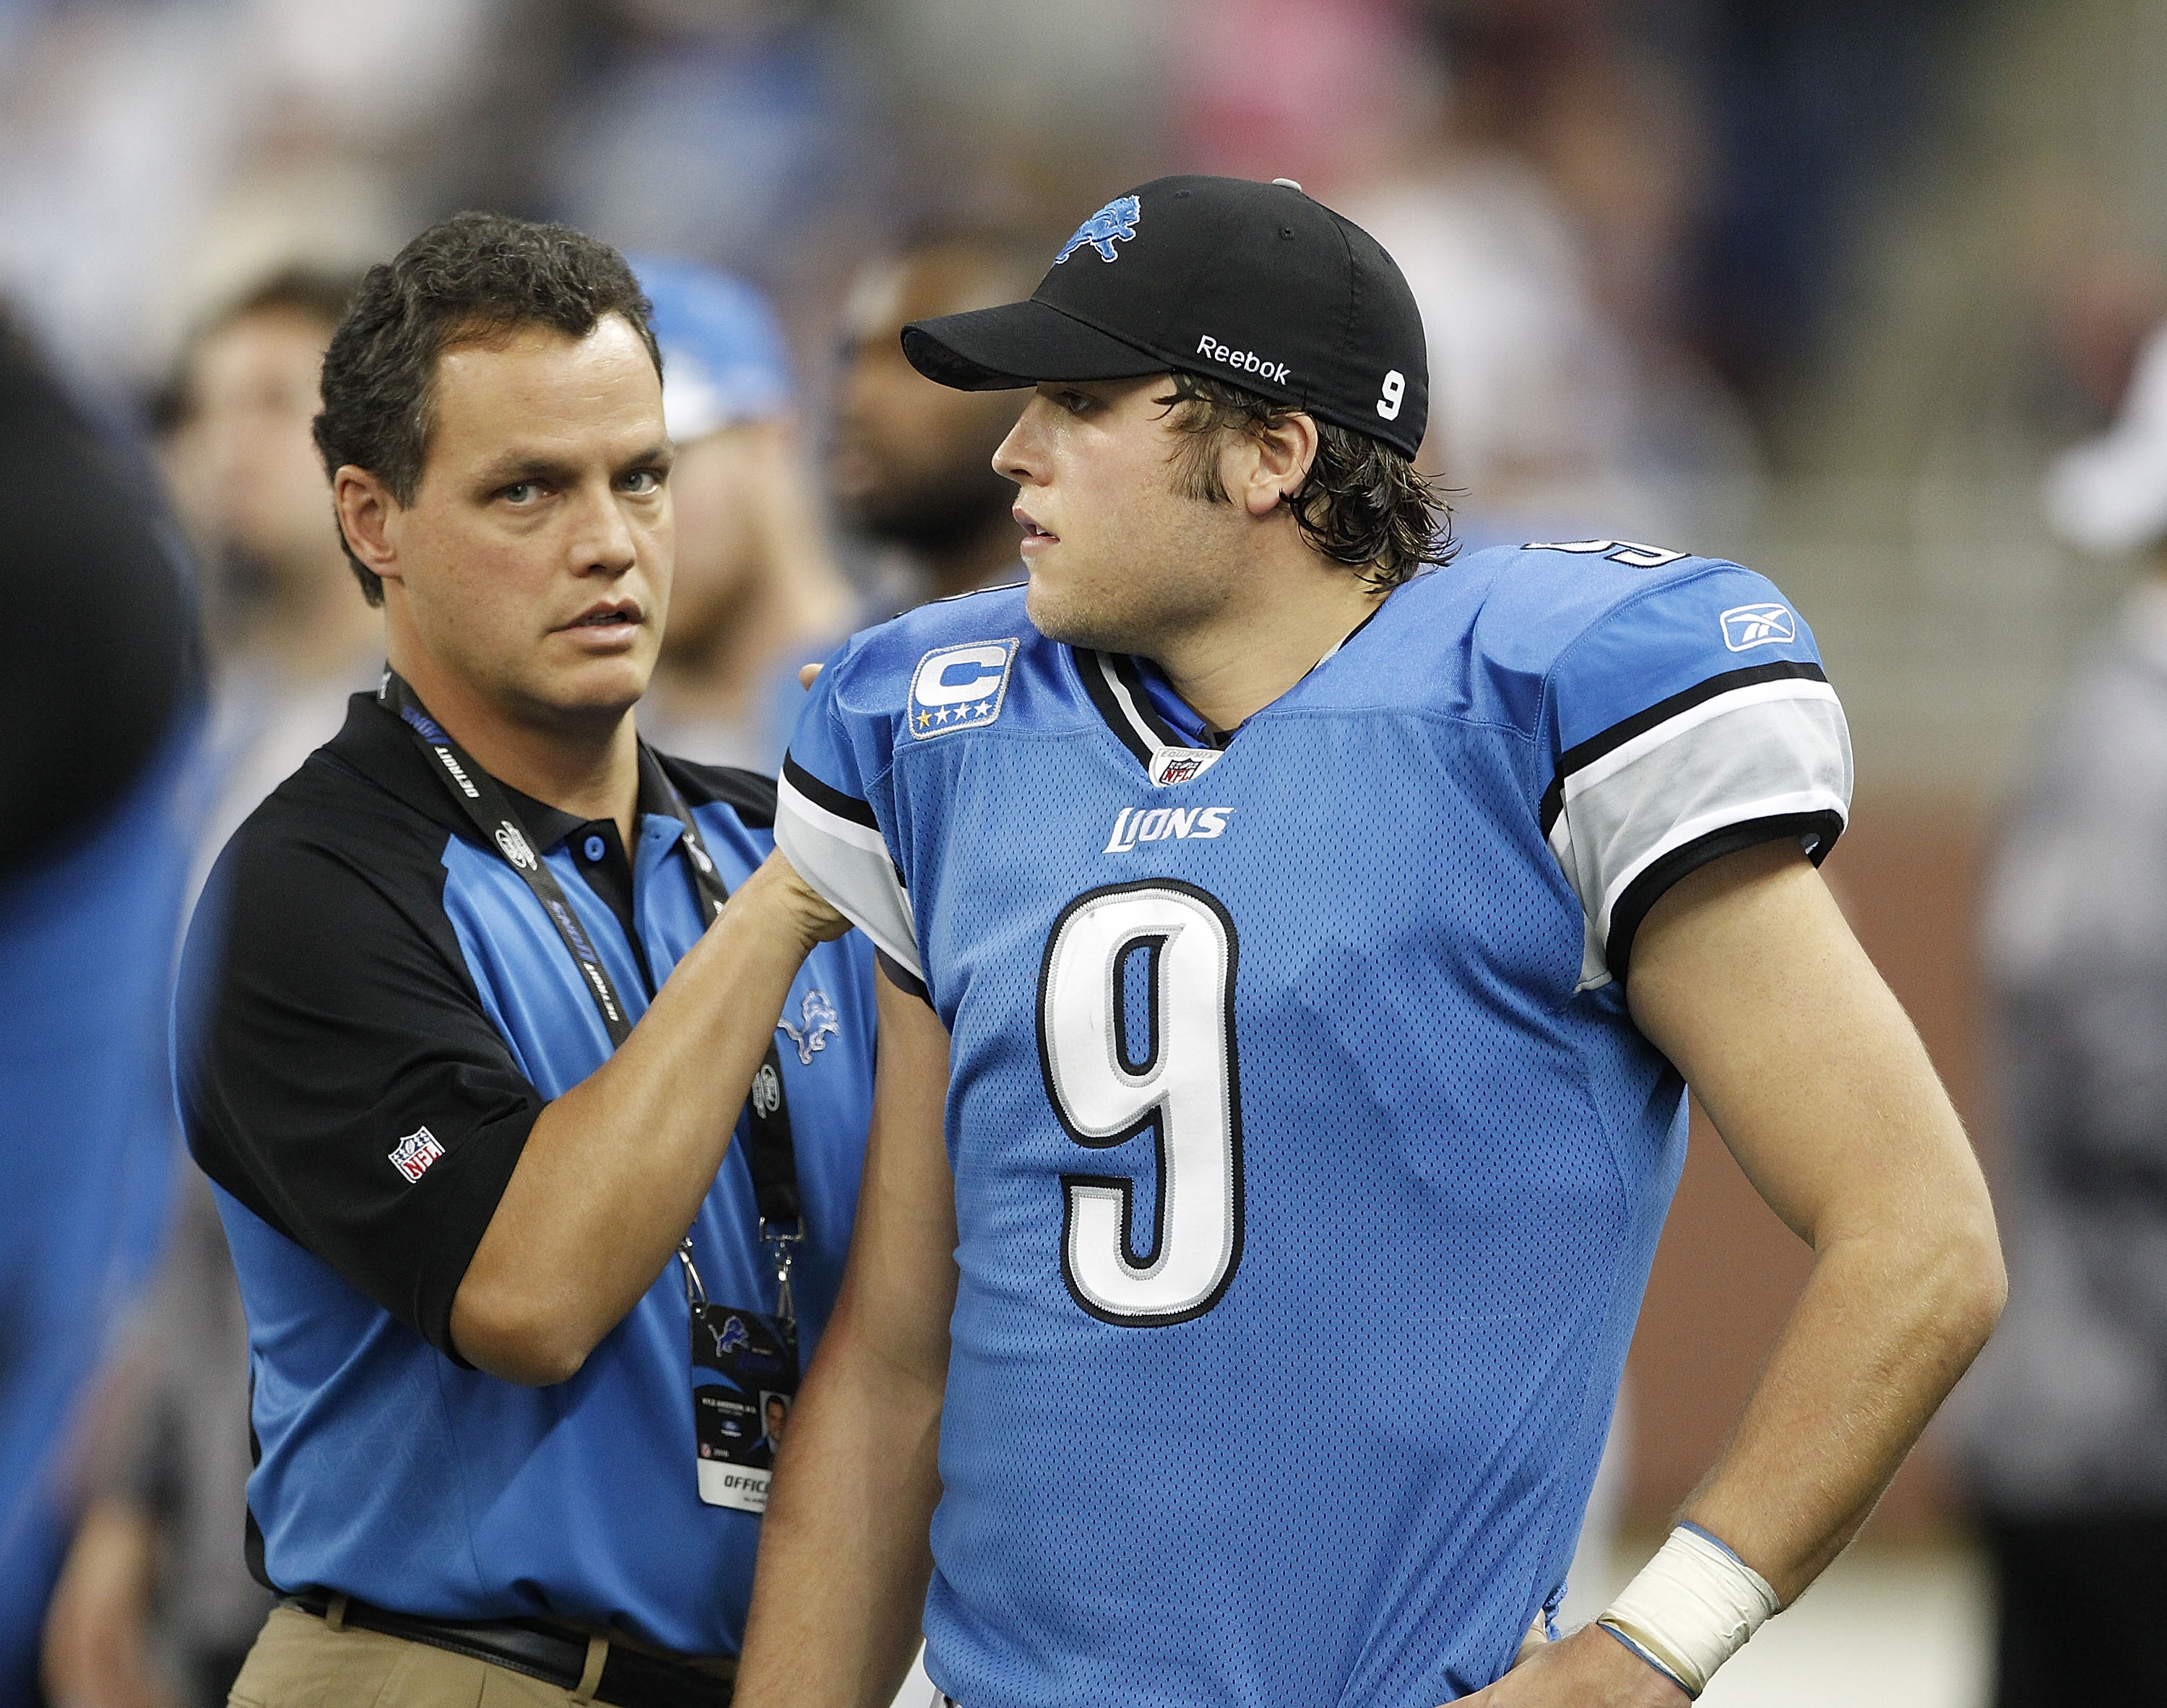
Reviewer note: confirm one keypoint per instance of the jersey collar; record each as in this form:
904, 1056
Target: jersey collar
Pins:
1155, 723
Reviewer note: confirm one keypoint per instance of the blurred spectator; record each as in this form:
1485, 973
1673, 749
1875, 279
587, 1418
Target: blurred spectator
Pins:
738, 132
1532, 390
101, 710
754, 593
293, 638
157, 153
156, 1604
2065, 1422
910, 468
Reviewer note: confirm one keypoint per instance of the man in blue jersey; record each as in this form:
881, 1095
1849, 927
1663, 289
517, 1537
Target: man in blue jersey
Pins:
1296, 958
530, 1202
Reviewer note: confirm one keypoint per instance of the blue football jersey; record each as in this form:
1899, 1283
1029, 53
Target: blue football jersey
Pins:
1308, 1165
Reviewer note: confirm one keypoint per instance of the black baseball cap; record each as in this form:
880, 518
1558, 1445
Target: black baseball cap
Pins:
1256, 284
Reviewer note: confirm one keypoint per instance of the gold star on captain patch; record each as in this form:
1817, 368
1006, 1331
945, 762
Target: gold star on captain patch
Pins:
923, 719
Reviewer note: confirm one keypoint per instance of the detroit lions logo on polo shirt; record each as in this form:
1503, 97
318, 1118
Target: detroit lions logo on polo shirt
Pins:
1114, 222
959, 687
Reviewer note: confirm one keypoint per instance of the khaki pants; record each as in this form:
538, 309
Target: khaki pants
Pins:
299, 1661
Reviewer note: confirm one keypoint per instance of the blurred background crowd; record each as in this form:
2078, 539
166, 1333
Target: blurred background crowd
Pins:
1835, 286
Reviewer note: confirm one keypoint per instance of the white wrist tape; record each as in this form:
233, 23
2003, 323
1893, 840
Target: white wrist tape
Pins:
1691, 1608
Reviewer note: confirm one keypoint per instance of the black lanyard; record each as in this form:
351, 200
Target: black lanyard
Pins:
772, 1154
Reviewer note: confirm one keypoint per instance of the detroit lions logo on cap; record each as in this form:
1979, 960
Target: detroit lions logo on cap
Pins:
1114, 222
959, 688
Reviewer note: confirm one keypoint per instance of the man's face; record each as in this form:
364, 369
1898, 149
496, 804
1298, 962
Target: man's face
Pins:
1119, 559
909, 460
534, 562
776, 1412
245, 471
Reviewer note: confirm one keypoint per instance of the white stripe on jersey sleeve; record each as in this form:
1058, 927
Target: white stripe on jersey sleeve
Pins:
1775, 749
848, 863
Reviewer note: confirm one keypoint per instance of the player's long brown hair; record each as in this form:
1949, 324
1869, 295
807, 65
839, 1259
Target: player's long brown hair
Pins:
1363, 504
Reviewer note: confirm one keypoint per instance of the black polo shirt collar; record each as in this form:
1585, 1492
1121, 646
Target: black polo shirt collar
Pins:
375, 744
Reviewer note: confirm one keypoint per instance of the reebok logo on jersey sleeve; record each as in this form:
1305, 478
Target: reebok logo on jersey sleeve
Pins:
1745, 626
1139, 824
959, 687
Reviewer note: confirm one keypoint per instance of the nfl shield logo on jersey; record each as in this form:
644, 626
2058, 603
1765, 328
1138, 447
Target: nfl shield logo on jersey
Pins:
1745, 626
959, 687
1173, 765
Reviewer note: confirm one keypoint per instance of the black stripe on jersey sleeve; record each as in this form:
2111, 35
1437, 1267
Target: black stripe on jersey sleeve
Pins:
827, 798
901, 976
1092, 671
1817, 830
1586, 753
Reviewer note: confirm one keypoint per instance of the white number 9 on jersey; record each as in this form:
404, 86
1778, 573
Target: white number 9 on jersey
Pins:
1184, 1085
1395, 391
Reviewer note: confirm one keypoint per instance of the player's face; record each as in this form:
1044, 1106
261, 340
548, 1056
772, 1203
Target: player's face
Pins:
1119, 559
534, 563
908, 461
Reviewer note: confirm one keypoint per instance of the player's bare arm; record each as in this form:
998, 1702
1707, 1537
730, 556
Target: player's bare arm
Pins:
575, 1239
844, 1559
1748, 978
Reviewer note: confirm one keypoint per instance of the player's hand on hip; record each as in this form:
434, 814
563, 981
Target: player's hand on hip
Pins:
1589, 1670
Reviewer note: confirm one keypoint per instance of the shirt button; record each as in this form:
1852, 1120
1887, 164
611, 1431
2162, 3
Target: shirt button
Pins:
594, 849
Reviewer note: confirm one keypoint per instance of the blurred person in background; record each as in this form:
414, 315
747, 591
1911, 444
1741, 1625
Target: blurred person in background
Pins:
103, 711
156, 1604
756, 592
910, 468
1527, 172
290, 641
744, 133
159, 155
2064, 1424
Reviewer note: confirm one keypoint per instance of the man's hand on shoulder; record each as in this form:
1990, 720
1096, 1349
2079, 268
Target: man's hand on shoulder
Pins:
1589, 1670
778, 892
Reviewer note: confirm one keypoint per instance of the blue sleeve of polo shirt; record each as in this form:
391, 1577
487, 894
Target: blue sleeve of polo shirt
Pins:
1684, 714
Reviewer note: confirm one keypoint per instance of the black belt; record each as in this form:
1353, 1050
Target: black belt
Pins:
556, 1654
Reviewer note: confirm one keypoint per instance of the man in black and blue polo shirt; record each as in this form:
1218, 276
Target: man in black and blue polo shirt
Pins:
538, 1160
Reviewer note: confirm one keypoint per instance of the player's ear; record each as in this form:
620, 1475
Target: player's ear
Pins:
366, 517
1283, 454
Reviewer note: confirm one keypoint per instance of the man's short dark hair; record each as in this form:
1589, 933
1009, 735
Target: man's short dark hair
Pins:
473, 278
1363, 504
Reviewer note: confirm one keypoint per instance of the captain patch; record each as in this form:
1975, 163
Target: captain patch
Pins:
960, 687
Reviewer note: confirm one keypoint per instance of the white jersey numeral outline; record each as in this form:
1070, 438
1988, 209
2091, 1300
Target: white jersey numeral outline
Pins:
1187, 1092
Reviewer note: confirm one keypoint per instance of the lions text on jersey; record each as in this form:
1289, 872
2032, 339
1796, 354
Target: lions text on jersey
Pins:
1308, 1165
